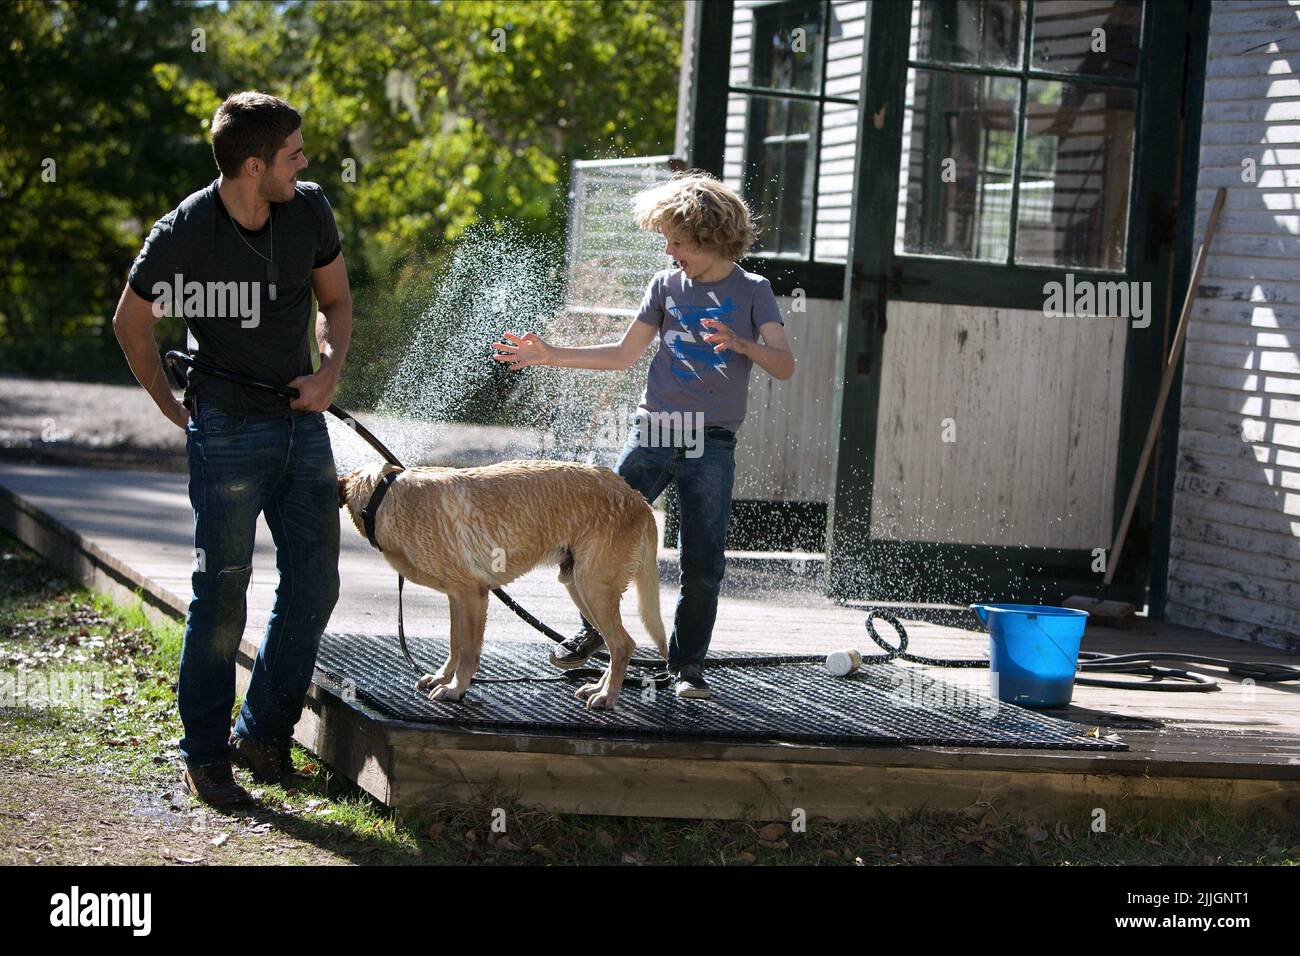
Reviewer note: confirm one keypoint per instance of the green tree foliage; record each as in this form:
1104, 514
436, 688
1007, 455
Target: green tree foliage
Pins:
420, 120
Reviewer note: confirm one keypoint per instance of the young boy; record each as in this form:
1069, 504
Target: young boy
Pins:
709, 315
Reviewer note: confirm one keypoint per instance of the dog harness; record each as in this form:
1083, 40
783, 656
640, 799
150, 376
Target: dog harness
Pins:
371, 509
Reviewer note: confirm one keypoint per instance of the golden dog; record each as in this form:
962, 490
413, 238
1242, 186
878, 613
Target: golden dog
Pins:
464, 531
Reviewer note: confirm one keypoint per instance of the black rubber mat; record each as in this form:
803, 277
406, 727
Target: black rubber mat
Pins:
881, 704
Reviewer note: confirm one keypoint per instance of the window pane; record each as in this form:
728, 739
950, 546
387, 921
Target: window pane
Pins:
975, 32
1074, 175
778, 178
958, 157
768, 160
1095, 37
779, 46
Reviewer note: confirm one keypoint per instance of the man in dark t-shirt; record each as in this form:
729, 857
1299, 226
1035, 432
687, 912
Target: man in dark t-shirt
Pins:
239, 261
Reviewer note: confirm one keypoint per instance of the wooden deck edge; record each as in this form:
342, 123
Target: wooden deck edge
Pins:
769, 790
1152, 753
408, 768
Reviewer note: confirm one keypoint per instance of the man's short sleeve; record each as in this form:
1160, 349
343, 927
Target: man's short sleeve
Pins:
158, 262
328, 246
766, 308
651, 311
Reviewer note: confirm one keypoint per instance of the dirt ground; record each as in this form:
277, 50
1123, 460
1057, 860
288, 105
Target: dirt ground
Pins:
60, 818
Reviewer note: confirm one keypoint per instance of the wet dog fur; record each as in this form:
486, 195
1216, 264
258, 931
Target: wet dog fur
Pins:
465, 531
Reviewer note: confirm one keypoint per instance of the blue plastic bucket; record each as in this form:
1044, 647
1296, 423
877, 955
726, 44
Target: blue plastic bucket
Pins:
1033, 652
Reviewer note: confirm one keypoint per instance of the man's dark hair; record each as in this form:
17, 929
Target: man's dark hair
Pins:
250, 124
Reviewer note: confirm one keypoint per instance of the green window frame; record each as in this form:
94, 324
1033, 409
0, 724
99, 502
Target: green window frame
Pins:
1025, 75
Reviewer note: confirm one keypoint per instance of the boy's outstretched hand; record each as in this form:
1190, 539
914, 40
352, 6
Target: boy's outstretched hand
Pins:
520, 352
723, 339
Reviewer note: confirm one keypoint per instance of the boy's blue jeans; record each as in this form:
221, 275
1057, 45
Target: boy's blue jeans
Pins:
240, 468
704, 500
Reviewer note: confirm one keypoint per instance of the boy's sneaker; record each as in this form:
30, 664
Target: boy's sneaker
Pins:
268, 762
215, 785
690, 683
575, 651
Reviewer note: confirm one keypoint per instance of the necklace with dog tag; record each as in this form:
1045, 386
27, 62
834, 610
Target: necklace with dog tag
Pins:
272, 275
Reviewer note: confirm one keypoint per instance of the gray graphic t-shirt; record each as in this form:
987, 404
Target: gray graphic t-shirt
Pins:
686, 375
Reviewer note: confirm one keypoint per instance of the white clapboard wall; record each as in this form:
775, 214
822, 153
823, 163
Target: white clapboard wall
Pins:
1235, 550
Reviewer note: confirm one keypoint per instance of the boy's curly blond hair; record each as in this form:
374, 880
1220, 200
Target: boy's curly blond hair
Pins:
696, 208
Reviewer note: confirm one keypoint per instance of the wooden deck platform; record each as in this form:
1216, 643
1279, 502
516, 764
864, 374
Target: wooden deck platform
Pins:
123, 531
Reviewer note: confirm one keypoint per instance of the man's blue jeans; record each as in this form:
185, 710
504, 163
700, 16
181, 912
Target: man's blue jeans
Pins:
704, 501
240, 468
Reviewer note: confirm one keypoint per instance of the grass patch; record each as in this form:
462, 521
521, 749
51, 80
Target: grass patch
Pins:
96, 780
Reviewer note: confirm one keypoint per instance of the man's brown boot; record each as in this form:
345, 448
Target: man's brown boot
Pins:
268, 762
215, 785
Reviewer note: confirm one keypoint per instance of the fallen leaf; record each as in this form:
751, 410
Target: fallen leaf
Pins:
773, 831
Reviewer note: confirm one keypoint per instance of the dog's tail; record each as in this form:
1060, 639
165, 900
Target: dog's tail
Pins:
647, 584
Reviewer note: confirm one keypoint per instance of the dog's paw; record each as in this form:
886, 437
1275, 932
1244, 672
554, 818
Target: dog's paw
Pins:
446, 692
432, 680
602, 701
587, 690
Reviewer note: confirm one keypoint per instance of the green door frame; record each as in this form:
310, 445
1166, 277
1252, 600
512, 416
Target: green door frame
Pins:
857, 565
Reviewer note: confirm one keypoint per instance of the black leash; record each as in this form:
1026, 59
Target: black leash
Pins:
181, 362
176, 359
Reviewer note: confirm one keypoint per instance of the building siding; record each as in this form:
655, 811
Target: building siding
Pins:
1235, 540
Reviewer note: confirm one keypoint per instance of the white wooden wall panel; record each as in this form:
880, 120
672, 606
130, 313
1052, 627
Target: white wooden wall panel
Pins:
1235, 549
784, 451
1036, 427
